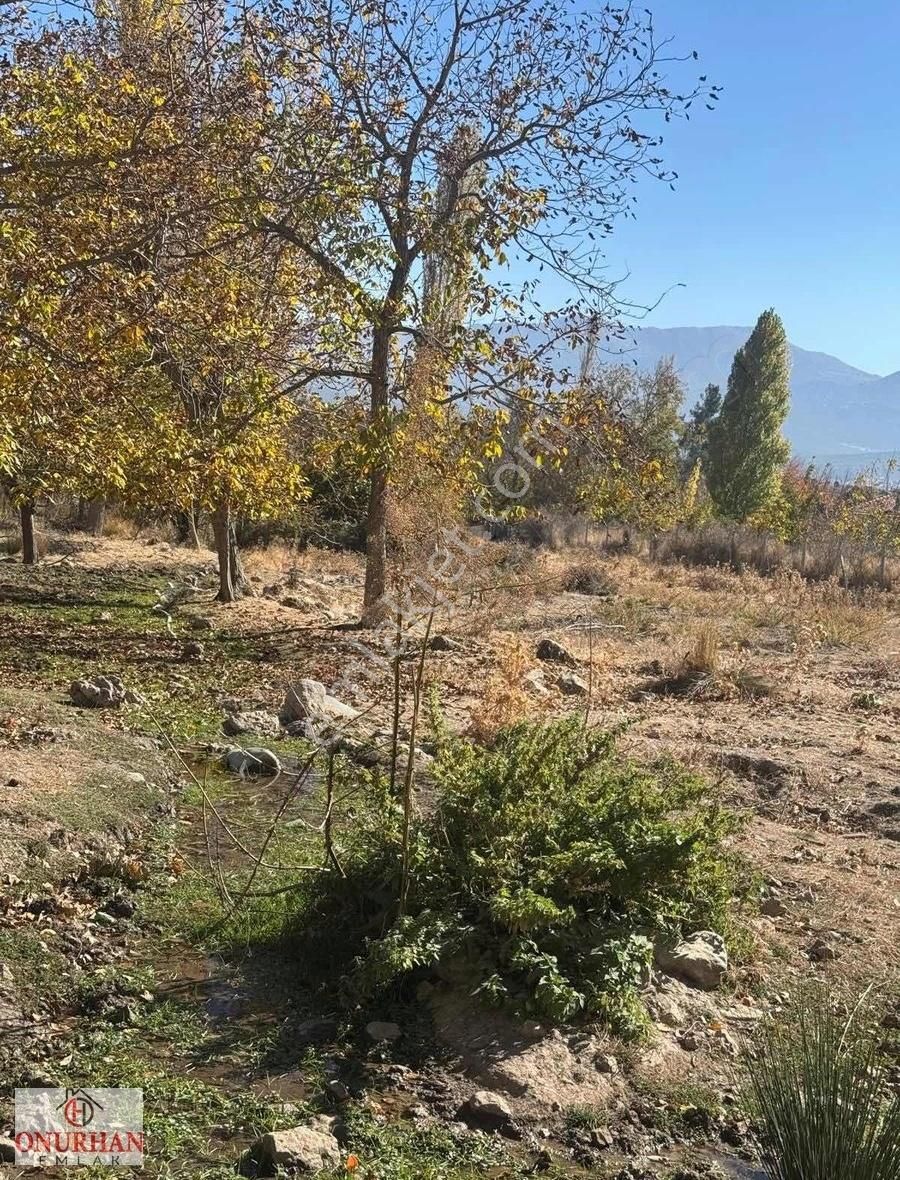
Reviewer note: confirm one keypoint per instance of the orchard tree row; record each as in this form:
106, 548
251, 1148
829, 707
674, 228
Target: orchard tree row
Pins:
216, 217
256, 253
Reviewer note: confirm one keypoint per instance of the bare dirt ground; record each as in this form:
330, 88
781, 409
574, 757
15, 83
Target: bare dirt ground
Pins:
791, 706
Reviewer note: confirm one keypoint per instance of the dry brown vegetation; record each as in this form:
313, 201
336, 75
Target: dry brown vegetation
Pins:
786, 690
783, 692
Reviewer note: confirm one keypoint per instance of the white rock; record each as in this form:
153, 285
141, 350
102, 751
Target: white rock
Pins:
253, 760
536, 682
383, 1030
701, 959
665, 1010
489, 1107
310, 699
572, 685
98, 692
308, 1148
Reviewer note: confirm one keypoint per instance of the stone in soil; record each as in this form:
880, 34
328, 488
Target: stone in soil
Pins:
255, 721
309, 1148
316, 1031
310, 700
701, 959
255, 760
572, 685
487, 1109
98, 692
822, 952
444, 643
200, 623
549, 649
383, 1030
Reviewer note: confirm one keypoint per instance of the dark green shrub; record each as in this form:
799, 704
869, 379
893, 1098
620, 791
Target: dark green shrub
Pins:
543, 870
818, 1094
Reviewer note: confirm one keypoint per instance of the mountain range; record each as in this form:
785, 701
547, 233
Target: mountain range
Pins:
838, 413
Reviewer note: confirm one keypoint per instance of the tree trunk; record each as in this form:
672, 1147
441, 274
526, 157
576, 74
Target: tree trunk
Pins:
26, 519
221, 522
95, 517
379, 487
186, 527
239, 579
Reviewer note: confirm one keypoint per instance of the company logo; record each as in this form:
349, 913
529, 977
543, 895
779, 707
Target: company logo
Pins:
72, 1127
80, 1108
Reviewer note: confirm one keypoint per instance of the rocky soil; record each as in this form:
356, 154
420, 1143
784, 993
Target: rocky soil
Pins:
140, 722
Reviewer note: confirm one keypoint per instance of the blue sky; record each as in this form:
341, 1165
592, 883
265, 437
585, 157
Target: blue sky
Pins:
789, 193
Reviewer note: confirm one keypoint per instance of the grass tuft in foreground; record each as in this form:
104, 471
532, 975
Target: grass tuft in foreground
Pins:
818, 1093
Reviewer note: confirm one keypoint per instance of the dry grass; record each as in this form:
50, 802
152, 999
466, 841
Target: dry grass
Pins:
118, 527
704, 673
283, 562
588, 578
846, 624
504, 700
703, 657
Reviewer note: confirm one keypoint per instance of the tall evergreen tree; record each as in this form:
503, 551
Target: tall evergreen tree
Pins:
696, 431
746, 447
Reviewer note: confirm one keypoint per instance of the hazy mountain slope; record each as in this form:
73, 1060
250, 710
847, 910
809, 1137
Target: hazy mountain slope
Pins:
835, 407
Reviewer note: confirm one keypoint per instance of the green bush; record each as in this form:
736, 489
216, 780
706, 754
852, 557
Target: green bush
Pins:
819, 1099
541, 871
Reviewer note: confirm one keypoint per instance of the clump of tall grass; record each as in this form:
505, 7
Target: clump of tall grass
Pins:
588, 578
702, 674
820, 1101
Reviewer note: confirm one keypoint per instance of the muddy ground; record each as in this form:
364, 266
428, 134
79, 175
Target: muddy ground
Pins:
117, 825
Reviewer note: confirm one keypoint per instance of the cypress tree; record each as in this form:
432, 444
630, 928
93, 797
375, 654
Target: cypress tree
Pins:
696, 429
746, 448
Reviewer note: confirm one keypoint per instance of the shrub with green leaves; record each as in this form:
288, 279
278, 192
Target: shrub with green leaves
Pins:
543, 871
819, 1099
